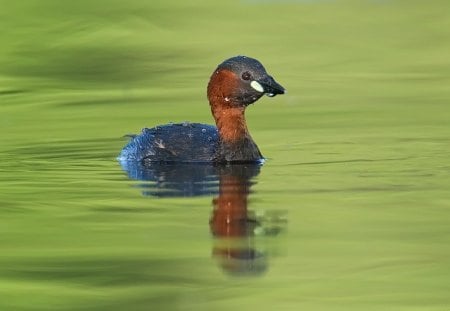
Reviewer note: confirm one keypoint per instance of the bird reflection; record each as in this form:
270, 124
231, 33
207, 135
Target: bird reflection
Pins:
235, 229
232, 224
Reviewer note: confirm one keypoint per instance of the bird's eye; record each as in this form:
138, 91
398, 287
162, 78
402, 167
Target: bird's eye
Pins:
246, 75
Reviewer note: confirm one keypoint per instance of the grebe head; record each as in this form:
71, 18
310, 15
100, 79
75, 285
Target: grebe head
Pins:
240, 81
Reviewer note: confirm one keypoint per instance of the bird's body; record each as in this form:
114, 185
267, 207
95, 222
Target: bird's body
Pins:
235, 84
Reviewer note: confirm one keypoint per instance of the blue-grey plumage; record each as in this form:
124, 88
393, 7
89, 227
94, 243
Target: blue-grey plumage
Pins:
180, 142
236, 83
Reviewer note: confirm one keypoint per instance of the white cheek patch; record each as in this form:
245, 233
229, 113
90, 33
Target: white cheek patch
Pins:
258, 87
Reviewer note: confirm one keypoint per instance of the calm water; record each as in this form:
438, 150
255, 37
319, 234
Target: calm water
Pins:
351, 211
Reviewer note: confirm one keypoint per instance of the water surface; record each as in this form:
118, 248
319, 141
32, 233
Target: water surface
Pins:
350, 211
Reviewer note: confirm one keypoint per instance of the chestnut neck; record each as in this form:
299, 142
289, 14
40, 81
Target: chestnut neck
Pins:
235, 143
230, 123
227, 111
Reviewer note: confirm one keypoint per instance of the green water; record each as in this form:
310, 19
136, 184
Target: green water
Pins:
358, 155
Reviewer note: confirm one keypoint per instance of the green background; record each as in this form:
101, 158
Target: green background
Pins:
358, 154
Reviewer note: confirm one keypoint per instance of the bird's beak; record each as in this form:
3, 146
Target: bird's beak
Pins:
271, 87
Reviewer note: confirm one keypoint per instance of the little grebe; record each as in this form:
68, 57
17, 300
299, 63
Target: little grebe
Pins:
235, 84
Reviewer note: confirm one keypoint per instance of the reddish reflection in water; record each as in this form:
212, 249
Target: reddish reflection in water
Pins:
237, 231
234, 227
230, 218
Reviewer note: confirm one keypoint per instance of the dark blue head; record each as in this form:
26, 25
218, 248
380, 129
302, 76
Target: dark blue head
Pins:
241, 81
